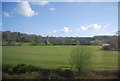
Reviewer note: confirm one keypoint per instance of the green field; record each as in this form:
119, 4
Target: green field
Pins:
57, 56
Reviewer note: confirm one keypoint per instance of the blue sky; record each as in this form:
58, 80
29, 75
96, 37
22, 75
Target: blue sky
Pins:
61, 18
65, 0
0, 16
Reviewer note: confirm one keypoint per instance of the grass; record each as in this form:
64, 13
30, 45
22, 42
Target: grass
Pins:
56, 56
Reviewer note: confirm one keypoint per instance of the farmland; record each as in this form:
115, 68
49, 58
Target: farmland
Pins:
57, 56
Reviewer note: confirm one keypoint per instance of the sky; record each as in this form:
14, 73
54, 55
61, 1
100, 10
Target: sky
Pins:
0, 16
60, 19
64, 0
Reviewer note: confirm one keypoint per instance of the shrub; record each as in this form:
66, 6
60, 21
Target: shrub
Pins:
7, 68
31, 68
114, 40
23, 68
45, 73
80, 58
20, 68
68, 74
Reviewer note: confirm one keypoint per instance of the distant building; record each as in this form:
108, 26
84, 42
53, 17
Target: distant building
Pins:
105, 45
105, 38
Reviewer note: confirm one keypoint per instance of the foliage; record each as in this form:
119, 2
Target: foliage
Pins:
18, 69
68, 73
119, 41
114, 42
43, 73
55, 73
7, 68
80, 58
36, 40
18, 39
97, 42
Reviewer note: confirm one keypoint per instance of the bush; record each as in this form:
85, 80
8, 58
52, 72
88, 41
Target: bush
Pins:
23, 68
25, 71
80, 58
20, 68
68, 74
7, 68
114, 42
45, 73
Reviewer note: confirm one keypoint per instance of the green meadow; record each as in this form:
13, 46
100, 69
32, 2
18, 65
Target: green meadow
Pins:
57, 56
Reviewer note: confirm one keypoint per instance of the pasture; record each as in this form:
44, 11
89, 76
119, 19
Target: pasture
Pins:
56, 56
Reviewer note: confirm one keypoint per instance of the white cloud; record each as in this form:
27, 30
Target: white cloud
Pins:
95, 0
24, 8
6, 14
90, 27
64, 0
83, 28
49, 32
18, 0
41, 3
106, 26
116, 30
54, 31
94, 26
65, 29
52, 9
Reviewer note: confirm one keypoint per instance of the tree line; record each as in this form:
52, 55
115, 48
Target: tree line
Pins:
19, 39
10, 38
